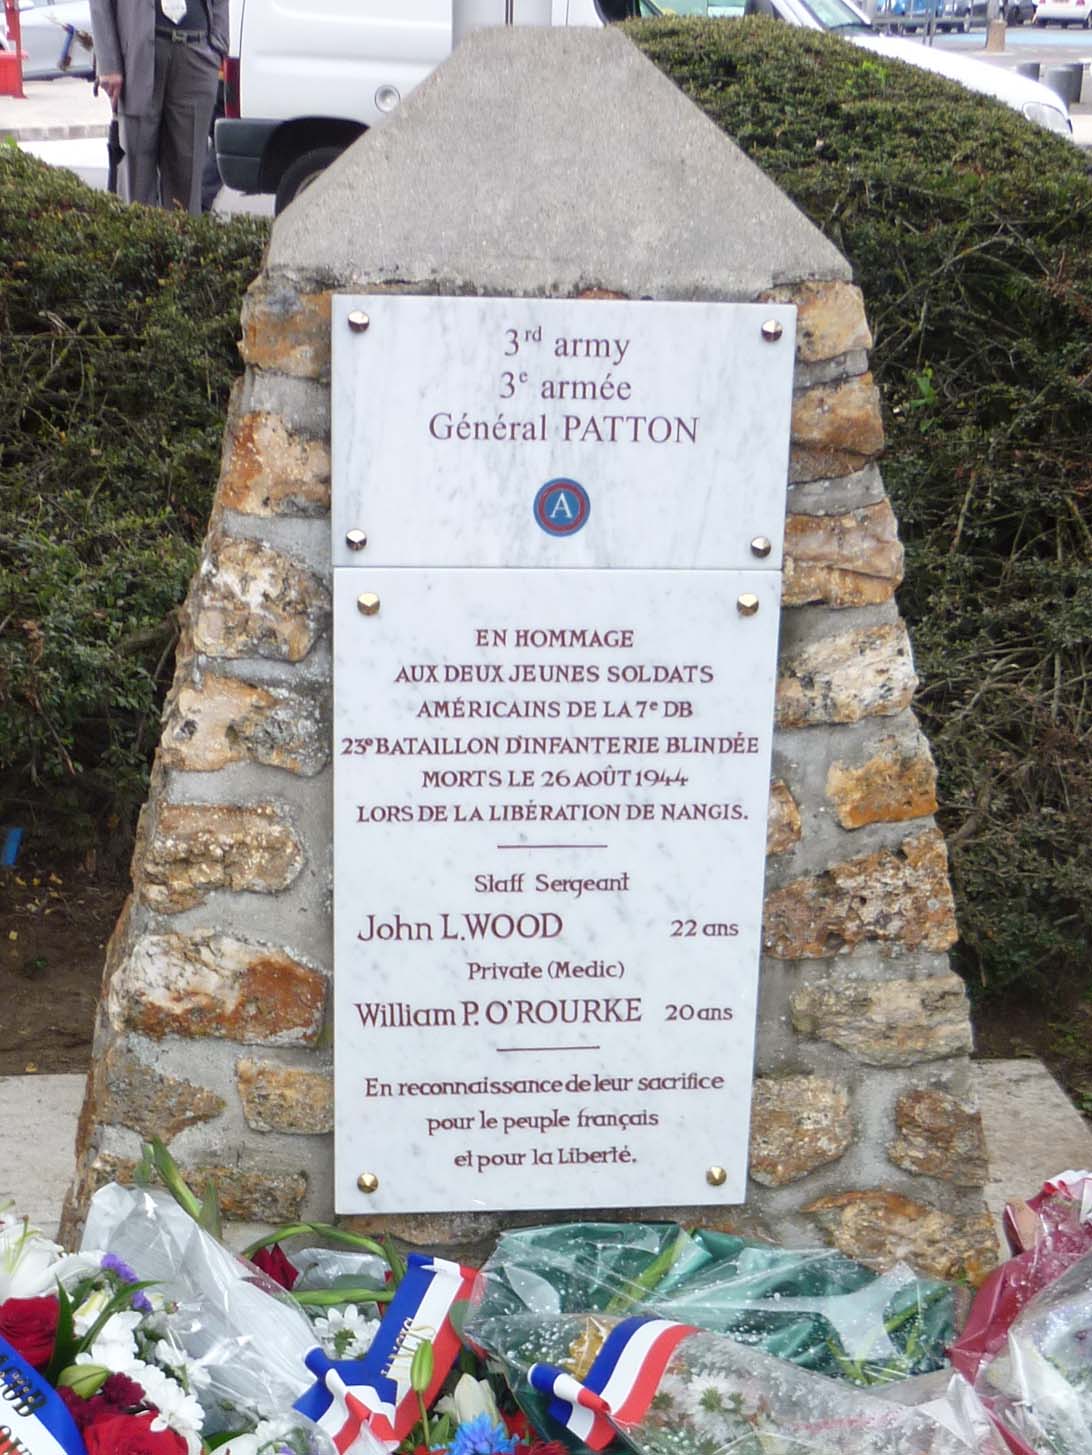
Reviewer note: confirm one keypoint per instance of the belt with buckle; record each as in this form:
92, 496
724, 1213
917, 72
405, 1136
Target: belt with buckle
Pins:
180, 37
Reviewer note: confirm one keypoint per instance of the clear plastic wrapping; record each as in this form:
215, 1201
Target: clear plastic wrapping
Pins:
719, 1397
1040, 1382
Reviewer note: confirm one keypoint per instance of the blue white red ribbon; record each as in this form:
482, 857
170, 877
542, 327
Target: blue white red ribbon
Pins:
361, 1401
33, 1419
620, 1384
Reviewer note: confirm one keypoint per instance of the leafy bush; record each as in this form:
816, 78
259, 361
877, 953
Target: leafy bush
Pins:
968, 230
119, 327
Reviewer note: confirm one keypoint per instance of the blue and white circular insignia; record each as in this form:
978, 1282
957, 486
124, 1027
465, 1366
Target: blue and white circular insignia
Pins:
562, 507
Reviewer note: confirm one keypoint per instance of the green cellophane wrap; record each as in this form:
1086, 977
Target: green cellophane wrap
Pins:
812, 1306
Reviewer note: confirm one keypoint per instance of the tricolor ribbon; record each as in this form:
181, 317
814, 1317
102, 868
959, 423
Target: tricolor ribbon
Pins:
33, 1419
361, 1401
620, 1384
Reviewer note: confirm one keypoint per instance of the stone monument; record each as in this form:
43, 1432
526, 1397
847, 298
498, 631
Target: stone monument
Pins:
514, 172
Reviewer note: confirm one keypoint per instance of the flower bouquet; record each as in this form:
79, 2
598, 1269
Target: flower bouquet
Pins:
1040, 1382
813, 1306
671, 1389
156, 1340
91, 1361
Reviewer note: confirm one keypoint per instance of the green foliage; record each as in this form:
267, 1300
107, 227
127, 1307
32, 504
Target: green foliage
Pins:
968, 230
119, 327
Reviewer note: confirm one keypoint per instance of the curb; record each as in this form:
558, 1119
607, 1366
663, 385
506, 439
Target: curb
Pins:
51, 133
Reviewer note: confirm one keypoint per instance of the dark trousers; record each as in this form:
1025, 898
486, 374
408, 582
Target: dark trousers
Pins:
165, 147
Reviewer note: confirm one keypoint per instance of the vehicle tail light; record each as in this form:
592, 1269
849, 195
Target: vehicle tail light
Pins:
231, 87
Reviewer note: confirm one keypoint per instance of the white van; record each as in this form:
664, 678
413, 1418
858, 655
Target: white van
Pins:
303, 81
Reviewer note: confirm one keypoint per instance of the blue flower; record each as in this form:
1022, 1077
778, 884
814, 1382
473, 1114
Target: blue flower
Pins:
480, 1436
113, 1264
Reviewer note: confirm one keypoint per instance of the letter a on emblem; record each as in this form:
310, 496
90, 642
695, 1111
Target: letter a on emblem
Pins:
561, 507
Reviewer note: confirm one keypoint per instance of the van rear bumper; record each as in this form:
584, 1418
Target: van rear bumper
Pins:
240, 146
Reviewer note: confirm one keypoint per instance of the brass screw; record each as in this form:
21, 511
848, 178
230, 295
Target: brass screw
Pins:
368, 1182
746, 604
760, 546
716, 1176
356, 540
368, 604
771, 330
359, 321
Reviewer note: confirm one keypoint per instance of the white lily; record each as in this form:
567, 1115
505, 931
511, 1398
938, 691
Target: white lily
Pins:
470, 1398
31, 1265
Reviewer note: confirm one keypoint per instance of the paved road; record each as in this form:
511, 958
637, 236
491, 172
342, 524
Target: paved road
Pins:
1050, 47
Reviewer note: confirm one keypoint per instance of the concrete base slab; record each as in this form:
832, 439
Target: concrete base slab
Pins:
1032, 1132
37, 1144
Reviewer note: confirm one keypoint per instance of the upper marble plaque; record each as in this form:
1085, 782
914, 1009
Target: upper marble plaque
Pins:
559, 433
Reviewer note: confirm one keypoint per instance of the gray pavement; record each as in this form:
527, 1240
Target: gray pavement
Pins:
65, 109
1032, 1132
65, 124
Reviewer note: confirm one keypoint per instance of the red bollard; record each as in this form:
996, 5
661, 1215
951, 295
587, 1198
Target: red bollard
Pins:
11, 60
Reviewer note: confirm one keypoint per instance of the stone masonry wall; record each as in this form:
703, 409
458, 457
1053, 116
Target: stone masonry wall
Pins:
213, 1028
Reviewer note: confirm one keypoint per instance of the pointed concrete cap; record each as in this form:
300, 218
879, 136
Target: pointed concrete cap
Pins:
542, 162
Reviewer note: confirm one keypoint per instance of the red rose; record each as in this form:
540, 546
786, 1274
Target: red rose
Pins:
30, 1327
131, 1435
275, 1265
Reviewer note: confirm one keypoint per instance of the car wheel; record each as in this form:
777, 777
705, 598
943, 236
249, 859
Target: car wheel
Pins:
297, 177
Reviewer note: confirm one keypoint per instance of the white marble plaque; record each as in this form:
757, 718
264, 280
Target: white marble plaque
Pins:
452, 416
550, 805
553, 725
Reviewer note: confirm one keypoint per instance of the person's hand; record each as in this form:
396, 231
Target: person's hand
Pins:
112, 85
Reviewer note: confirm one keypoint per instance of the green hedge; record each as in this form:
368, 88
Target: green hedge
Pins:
118, 326
970, 232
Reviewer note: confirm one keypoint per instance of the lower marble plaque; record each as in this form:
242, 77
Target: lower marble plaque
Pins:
550, 813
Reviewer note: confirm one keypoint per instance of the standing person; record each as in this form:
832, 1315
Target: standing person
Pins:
159, 61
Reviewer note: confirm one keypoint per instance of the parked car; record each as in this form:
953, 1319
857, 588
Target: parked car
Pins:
1015, 12
46, 41
1063, 13
911, 14
955, 15
1036, 102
